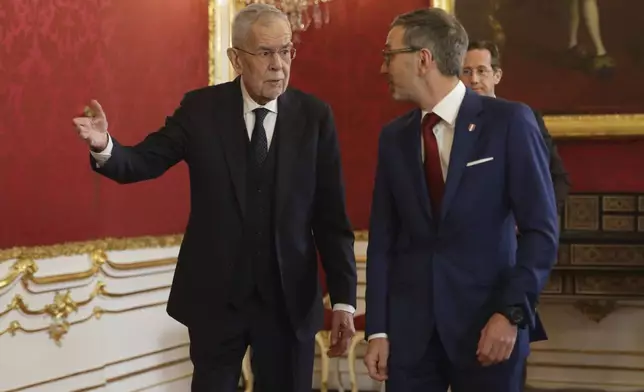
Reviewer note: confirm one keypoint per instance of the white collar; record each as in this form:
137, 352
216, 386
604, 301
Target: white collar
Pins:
250, 104
448, 107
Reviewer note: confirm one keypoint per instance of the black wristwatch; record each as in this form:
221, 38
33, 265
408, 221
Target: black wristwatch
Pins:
515, 315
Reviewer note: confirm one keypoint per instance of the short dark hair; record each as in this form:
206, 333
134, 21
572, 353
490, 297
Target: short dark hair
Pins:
495, 55
439, 32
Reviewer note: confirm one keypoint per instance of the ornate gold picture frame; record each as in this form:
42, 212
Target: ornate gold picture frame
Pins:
578, 126
220, 17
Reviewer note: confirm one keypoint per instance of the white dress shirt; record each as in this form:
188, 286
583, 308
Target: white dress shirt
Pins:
249, 119
249, 115
447, 109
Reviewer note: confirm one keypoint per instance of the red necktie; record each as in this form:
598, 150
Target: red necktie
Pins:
433, 171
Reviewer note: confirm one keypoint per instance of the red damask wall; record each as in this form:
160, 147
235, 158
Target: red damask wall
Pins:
340, 63
137, 58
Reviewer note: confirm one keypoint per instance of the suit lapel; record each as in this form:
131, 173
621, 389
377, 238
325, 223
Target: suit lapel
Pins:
230, 121
289, 129
466, 132
410, 140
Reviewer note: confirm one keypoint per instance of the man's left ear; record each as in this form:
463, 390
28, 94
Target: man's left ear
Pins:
234, 60
498, 74
426, 56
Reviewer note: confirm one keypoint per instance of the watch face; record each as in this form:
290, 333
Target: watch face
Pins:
516, 315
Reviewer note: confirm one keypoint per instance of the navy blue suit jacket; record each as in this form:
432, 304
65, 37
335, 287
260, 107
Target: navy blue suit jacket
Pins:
452, 272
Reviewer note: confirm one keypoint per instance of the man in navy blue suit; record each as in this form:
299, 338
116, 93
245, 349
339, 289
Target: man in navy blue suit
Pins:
451, 290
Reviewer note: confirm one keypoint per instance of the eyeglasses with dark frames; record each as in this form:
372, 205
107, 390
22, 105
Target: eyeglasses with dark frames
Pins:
387, 54
286, 54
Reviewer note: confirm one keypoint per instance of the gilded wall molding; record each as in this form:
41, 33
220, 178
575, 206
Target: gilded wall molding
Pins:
63, 304
213, 38
25, 265
220, 18
87, 247
60, 326
26, 269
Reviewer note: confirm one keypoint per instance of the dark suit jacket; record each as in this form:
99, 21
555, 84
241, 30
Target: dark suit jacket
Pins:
209, 133
451, 272
561, 183
559, 175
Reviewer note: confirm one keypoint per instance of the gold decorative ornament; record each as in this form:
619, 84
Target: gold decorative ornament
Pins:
57, 330
19, 268
63, 306
56, 334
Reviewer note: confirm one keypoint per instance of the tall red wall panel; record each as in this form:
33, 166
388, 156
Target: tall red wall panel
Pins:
137, 58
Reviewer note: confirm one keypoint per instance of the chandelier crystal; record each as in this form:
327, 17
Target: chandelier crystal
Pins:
301, 13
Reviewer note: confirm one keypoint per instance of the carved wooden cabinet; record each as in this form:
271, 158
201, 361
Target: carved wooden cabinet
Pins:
601, 253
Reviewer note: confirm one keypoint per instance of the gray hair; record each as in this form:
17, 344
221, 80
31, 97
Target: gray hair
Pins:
245, 19
439, 32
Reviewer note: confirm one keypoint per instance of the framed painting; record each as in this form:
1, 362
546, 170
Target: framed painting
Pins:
579, 62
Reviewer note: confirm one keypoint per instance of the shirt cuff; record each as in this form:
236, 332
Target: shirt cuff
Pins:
377, 335
344, 308
102, 156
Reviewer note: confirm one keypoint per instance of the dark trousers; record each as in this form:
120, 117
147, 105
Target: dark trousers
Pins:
435, 373
280, 362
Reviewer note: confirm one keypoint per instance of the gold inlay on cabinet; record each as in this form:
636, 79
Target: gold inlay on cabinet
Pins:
582, 213
619, 203
606, 254
609, 285
618, 223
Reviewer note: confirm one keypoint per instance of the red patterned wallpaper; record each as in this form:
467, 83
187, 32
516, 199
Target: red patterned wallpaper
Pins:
137, 58
340, 63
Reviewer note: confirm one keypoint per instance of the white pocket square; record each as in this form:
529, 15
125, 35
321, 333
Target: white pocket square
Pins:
479, 161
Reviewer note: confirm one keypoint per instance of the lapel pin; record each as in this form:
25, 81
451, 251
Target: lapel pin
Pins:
471, 127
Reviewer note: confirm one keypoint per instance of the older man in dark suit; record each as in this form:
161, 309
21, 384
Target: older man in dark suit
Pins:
266, 197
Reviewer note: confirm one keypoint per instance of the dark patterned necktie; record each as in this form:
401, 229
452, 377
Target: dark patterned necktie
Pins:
258, 141
432, 164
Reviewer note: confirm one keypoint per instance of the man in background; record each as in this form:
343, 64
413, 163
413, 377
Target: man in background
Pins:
267, 196
482, 72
